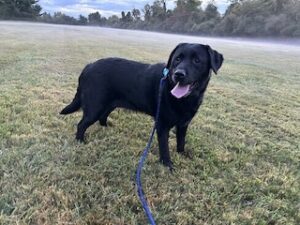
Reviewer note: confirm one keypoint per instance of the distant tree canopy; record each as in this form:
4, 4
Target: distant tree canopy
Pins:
13, 9
242, 17
261, 18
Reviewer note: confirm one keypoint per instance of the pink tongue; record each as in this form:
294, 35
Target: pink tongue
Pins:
179, 91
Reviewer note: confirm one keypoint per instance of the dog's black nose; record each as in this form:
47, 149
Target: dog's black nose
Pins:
180, 74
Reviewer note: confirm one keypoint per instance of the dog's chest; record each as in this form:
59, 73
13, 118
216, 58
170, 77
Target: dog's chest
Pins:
179, 113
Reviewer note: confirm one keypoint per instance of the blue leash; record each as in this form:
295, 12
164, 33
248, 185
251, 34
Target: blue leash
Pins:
145, 153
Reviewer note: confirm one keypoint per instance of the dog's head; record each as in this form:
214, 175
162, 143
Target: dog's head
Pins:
190, 66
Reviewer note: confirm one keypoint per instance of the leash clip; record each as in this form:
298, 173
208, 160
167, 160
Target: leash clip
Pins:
166, 72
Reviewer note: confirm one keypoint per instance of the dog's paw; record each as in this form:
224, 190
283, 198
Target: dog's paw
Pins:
169, 164
80, 140
186, 154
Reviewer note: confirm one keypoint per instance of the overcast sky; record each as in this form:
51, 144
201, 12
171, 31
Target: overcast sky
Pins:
106, 7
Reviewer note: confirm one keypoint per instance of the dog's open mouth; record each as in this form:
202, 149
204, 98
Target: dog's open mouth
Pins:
180, 91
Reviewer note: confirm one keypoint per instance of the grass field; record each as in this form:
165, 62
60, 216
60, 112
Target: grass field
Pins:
244, 142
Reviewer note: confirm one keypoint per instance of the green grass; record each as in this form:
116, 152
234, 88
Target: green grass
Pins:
244, 142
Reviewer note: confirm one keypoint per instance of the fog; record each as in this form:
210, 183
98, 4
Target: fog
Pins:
239, 49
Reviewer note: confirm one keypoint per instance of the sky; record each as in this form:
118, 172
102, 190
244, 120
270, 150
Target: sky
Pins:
107, 7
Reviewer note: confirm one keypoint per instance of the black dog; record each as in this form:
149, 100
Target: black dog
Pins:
113, 82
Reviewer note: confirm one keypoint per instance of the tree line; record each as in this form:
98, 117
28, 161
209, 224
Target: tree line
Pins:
279, 18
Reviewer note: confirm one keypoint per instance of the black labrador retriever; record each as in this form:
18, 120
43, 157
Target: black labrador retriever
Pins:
114, 82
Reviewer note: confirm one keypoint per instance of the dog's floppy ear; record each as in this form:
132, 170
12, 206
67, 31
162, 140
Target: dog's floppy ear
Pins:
216, 59
172, 53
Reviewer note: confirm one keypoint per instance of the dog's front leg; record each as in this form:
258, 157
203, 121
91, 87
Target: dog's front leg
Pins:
180, 137
163, 138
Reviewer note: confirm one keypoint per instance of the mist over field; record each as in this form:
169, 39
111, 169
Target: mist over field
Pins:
243, 143
238, 49
61, 33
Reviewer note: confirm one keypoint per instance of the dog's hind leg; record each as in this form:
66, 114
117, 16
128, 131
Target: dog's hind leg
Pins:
89, 117
103, 117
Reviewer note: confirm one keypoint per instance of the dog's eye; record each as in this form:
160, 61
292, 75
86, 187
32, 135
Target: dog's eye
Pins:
196, 60
178, 59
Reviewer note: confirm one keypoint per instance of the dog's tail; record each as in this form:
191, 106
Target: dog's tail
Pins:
74, 105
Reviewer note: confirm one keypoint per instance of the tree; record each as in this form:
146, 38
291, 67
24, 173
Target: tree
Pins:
123, 16
19, 9
211, 12
275, 6
185, 16
61, 18
159, 10
46, 17
136, 14
94, 18
185, 6
236, 1
147, 12
82, 20
113, 20
128, 17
